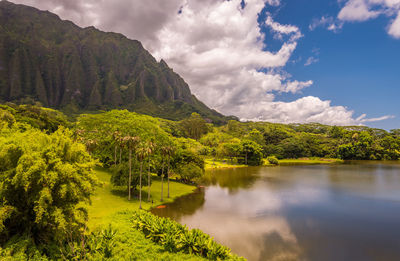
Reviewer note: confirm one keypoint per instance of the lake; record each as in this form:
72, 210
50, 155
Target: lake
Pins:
321, 212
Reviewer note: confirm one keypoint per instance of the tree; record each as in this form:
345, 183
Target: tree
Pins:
194, 126
44, 180
150, 151
131, 143
164, 153
117, 139
142, 152
169, 151
189, 172
252, 153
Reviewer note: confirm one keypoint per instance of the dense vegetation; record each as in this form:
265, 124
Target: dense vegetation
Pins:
177, 238
48, 162
54, 62
301, 140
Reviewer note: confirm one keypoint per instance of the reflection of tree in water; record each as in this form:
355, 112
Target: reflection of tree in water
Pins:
232, 179
182, 206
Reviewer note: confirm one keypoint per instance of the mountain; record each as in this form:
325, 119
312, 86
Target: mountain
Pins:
64, 66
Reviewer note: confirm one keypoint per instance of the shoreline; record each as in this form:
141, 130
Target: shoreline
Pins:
212, 164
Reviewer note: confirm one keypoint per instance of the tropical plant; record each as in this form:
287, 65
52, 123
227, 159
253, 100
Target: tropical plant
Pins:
273, 160
44, 179
177, 238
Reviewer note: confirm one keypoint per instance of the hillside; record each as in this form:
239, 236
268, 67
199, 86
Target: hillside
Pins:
55, 62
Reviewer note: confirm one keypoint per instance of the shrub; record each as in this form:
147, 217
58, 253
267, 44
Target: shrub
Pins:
273, 160
190, 172
44, 178
175, 237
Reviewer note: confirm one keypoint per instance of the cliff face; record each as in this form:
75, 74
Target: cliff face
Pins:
46, 59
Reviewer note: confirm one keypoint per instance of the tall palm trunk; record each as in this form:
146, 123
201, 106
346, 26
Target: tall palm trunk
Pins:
140, 185
115, 154
130, 174
162, 181
148, 181
168, 176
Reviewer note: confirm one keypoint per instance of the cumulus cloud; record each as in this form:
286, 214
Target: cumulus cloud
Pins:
357, 10
394, 27
220, 49
363, 10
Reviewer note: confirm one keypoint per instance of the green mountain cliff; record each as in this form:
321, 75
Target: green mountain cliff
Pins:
55, 62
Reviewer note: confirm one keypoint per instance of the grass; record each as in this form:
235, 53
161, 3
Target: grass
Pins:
305, 161
109, 200
110, 206
131, 244
211, 163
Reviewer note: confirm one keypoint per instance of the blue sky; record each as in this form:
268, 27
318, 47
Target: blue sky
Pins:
358, 66
332, 61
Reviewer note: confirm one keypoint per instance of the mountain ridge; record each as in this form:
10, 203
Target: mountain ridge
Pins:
61, 65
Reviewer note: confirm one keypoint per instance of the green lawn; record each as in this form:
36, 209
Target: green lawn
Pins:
225, 163
109, 200
306, 161
211, 163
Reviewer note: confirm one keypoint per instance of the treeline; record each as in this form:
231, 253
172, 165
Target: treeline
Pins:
249, 142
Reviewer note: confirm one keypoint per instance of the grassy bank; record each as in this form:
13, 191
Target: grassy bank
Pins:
212, 163
132, 244
306, 161
109, 200
110, 207
226, 163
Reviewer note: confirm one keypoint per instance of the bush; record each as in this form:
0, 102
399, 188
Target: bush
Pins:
44, 178
177, 238
120, 175
273, 160
190, 172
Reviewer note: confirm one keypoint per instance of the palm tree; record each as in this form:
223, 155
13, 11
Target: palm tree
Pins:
117, 139
142, 152
150, 150
169, 151
131, 142
164, 153
121, 145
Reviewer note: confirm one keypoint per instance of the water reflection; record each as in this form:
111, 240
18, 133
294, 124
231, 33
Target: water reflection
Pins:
338, 212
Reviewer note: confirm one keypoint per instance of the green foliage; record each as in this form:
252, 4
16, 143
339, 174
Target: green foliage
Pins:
51, 175
194, 126
177, 238
97, 245
119, 175
190, 171
21, 248
252, 153
273, 160
38, 117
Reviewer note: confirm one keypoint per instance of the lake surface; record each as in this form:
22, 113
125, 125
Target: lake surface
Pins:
320, 212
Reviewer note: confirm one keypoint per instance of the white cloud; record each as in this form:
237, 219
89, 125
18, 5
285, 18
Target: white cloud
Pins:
308, 109
327, 22
362, 10
218, 47
311, 60
394, 28
357, 10
363, 118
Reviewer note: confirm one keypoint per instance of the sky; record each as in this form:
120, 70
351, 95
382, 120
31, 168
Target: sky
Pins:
334, 62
